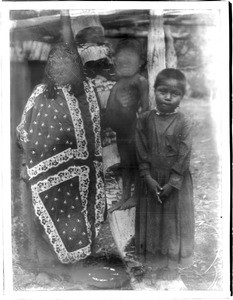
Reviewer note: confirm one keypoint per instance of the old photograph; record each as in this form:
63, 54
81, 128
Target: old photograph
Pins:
118, 148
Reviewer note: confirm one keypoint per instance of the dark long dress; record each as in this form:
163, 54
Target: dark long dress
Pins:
62, 145
163, 149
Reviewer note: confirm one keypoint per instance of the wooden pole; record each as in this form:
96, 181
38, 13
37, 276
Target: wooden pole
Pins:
34, 22
156, 53
171, 59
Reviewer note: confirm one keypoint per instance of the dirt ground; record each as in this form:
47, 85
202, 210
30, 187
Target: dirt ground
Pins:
204, 274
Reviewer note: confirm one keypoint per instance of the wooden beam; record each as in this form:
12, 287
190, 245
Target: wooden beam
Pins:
122, 18
171, 58
134, 32
32, 22
156, 51
45, 28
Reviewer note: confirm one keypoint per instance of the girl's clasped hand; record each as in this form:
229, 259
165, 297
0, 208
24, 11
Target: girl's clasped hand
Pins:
166, 190
161, 192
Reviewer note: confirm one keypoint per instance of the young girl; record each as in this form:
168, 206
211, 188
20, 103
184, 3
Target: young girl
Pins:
165, 219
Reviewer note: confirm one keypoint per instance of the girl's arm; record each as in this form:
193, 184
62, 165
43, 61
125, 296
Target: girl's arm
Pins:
142, 147
143, 155
182, 163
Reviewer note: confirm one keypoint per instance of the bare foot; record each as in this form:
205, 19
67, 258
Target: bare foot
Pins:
131, 202
170, 274
94, 249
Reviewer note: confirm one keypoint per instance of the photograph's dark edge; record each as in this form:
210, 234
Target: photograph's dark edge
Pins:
91, 94
230, 126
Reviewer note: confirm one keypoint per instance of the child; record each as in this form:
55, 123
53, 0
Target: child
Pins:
128, 95
165, 219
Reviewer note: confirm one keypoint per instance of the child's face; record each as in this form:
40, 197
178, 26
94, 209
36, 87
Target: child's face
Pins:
127, 63
168, 95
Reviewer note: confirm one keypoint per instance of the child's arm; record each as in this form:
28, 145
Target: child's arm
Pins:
144, 93
120, 119
112, 110
143, 155
154, 186
182, 163
142, 147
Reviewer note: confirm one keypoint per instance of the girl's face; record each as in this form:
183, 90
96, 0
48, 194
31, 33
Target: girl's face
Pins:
168, 95
127, 63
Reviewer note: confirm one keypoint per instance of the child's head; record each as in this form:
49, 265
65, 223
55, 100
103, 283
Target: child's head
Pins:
128, 57
170, 85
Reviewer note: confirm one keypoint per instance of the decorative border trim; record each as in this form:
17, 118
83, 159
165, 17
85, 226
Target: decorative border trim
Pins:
46, 221
100, 196
77, 123
53, 162
30, 103
95, 115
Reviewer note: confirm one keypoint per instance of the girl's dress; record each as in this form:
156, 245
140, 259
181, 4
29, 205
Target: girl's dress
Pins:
62, 145
163, 148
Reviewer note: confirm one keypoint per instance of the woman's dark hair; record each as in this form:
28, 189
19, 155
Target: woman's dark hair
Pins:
171, 73
129, 43
56, 68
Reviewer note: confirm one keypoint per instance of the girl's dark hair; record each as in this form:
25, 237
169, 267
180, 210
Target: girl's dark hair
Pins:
129, 43
171, 73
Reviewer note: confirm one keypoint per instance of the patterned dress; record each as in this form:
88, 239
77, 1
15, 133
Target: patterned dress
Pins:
62, 142
163, 148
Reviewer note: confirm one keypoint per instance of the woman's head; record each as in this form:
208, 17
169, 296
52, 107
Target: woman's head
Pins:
128, 59
63, 66
170, 85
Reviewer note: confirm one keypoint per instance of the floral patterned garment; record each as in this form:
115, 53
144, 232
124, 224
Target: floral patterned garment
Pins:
62, 143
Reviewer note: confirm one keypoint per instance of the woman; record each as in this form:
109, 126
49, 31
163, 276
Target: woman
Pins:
60, 135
